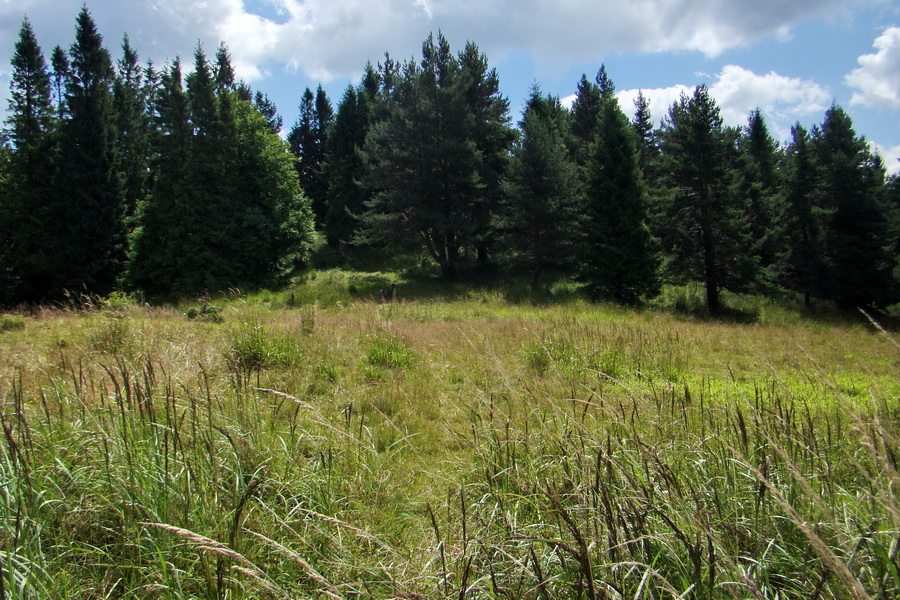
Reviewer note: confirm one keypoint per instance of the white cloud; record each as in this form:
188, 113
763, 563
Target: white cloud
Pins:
737, 91
660, 99
331, 38
877, 80
890, 155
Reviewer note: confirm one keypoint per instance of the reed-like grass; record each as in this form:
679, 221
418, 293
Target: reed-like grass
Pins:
468, 448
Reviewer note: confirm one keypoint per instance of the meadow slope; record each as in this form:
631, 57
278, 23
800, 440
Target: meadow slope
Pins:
472, 447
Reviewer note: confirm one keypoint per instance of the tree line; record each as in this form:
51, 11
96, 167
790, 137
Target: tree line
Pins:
117, 175
125, 177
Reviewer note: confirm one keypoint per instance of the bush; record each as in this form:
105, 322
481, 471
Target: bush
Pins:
207, 313
11, 322
389, 351
253, 349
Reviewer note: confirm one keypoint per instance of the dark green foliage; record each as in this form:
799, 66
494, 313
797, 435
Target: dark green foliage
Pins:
891, 204
226, 209
706, 230
132, 128
851, 179
757, 183
647, 147
25, 219
344, 168
269, 111
89, 239
492, 136
162, 225
434, 162
308, 140
620, 258
802, 221
418, 158
585, 112
29, 103
422, 161
223, 73
538, 217
61, 72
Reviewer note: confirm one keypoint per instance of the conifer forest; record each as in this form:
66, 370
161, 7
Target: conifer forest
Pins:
172, 180
415, 347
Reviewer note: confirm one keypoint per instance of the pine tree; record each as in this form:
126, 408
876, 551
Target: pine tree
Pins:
492, 137
323, 115
302, 140
707, 229
206, 265
620, 258
308, 140
29, 103
90, 245
226, 209
223, 73
851, 179
422, 162
8, 274
538, 213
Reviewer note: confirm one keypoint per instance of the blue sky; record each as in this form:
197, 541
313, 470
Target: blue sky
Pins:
790, 58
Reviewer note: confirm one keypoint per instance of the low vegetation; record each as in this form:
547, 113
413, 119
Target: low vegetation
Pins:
479, 445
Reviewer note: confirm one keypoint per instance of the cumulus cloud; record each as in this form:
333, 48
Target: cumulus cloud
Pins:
737, 91
877, 80
890, 155
331, 38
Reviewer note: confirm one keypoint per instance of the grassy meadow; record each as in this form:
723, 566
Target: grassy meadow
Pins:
454, 443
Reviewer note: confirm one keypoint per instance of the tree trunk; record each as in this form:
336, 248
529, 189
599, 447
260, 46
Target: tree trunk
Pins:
709, 258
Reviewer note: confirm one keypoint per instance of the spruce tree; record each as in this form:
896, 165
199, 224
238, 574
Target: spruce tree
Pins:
757, 183
620, 259
585, 112
90, 243
302, 140
802, 221
159, 240
266, 107
26, 207
206, 265
308, 140
707, 231
647, 147
60, 75
223, 72
492, 136
539, 211
226, 210
343, 169
132, 127
851, 180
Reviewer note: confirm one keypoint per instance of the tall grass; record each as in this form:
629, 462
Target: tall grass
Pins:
465, 449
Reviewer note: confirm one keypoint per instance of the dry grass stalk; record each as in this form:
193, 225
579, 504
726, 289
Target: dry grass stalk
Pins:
327, 588
210, 545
